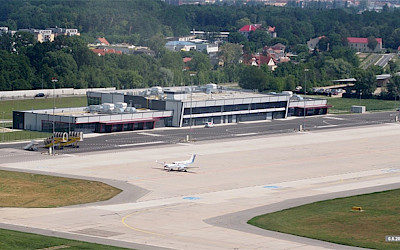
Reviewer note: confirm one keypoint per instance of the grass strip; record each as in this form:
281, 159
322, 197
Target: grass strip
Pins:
335, 221
13, 240
34, 190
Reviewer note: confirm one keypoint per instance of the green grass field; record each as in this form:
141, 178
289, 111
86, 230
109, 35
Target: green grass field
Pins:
34, 190
343, 105
12, 240
334, 220
7, 107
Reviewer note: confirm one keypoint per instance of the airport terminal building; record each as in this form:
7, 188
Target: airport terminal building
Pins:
139, 109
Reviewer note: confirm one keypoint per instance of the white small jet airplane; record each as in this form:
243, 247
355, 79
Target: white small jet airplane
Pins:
178, 165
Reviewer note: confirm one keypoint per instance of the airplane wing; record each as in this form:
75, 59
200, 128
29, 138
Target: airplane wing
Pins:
161, 163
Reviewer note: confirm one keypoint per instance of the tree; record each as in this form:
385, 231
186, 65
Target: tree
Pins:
236, 37
242, 22
394, 86
372, 43
366, 83
230, 53
200, 63
253, 78
167, 76
260, 38
157, 43
171, 60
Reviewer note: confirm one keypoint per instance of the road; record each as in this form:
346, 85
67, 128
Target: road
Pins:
384, 60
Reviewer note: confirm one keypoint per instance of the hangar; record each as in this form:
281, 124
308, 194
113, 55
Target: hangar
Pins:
137, 109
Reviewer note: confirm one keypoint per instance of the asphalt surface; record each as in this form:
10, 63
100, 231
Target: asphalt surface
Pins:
384, 60
165, 136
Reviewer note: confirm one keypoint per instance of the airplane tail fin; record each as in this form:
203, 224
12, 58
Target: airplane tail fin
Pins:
193, 158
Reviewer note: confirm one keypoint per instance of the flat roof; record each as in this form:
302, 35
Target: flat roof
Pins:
198, 94
81, 112
225, 94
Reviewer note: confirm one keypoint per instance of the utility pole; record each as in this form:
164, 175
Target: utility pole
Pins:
54, 80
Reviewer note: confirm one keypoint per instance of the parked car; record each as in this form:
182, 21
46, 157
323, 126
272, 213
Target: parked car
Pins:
209, 125
39, 95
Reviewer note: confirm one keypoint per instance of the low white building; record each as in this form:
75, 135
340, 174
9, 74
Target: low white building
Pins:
180, 46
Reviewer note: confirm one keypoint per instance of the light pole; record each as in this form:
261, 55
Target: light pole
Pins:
360, 96
191, 109
304, 99
4, 128
54, 80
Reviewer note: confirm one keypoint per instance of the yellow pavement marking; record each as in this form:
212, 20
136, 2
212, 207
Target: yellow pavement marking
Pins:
137, 229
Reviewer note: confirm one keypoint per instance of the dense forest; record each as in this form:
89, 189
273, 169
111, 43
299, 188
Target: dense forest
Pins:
25, 64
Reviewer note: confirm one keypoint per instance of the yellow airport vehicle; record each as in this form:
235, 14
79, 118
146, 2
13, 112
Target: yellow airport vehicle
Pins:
63, 139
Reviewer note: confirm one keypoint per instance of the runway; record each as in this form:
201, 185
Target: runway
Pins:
235, 179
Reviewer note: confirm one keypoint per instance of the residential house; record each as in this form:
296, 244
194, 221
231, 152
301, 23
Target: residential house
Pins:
64, 32
40, 35
186, 60
247, 29
102, 41
398, 50
313, 42
3, 30
277, 52
48, 35
361, 44
258, 60
272, 32
144, 51
102, 52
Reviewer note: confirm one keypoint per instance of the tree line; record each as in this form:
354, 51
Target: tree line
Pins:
25, 64
137, 21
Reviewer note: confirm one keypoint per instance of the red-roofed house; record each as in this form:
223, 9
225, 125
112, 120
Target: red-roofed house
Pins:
398, 50
102, 41
245, 30
187, 59
102, 52
361, 44
258, 60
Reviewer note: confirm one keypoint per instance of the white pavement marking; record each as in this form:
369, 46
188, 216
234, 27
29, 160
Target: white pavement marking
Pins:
246, 134
143, 133
334, 118
326, 126
140, 144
